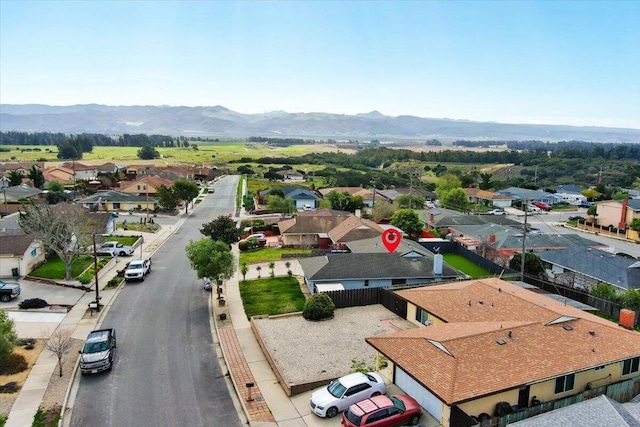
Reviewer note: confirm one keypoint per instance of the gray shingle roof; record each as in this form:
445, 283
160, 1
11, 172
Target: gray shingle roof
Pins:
600, 411
604, 266
348, 266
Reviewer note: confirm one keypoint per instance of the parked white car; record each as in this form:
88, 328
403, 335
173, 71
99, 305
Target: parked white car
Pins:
114, 248
344, 392
496, 212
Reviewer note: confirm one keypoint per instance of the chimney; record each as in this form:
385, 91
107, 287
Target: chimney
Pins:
492, 238
431, 218
358, 213
437, 264
623, 215
627, 318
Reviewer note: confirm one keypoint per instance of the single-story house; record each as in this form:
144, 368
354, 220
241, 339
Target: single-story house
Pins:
290, 175
302, 197
311, 228
60, 174
487, 345
391, 195
581, 267
377, 269
17, 250
116, 201
529, 195
147, 185
366, 193
488, 198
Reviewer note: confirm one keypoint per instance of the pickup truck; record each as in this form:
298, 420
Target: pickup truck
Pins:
8, 291
137, 270
98, 352
114, 248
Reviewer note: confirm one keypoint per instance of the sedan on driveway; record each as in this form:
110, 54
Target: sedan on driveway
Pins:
496, 212
345, 391
383, 411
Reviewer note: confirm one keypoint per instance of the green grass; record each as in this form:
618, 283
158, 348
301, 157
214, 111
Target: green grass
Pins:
3, 420
467, 267
47, 418
54, 268
271, 296
269, 254
126, 240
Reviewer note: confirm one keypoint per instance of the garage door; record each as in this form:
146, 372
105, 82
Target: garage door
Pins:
428, 401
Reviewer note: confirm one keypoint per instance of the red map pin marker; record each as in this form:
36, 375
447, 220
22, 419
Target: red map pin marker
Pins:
391, 239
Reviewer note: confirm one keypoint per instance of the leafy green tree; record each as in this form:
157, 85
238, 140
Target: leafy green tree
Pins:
345, 201
411, 201
455, 199
635, 224
620, 195
70, 149
592, 210
185, 190
15, 178
277, 191
605, 291
55, 193
8, 335
485, 181
382, 210
222, 228
591, 194
532, 264
631, 299
318, 307
408, 221
210, 258
148, 153
36, 176
280, 204
166, 198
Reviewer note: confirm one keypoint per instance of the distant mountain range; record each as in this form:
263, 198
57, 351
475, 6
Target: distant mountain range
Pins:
221, 122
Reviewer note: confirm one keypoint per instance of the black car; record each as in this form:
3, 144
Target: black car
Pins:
576, 218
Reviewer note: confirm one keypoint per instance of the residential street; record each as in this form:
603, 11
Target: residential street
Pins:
166, 371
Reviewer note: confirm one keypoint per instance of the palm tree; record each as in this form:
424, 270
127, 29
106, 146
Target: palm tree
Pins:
272, 265
258, 268
243, 270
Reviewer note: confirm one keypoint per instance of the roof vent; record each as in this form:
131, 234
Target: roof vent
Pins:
592, 333
567, 328
510, 334
501, 341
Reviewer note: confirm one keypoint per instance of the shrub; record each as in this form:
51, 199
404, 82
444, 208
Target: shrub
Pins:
13, 364
85, 278
243, 246
318, 307
33, 303
11, 387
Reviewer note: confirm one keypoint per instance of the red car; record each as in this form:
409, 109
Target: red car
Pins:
383, 411
542, 205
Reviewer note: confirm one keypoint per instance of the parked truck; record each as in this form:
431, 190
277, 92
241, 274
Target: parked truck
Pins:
137, 270
98, 352
114, 249
8, 291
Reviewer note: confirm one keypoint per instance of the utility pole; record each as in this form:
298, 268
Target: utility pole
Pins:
95, 267
524, 239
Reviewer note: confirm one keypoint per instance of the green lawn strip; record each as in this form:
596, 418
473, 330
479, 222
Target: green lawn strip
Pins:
54, 268
270, 296
269, 254
125, 240
461, 263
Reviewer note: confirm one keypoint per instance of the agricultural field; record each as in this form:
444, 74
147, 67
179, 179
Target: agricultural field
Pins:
211, 153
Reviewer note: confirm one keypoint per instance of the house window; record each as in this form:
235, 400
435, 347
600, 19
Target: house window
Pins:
422, 316
116, 205
630, 366
366, 282
34, 252
599, 368
138, 187
565, 383
398, 281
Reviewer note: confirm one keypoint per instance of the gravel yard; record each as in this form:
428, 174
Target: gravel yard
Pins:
311, 351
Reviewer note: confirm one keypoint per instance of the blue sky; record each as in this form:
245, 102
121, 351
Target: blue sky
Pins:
551, 62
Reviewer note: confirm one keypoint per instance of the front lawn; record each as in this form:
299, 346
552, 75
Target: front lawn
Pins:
269, 254
271, 296
54, 268
467, 267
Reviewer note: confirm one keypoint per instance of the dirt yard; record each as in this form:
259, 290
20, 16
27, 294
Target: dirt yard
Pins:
7, 399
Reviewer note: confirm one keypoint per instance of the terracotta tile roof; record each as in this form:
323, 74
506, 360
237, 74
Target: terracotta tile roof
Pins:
349, 190
304, 224
462, 359
483, 194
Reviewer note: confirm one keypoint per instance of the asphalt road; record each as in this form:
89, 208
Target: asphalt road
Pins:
166, 371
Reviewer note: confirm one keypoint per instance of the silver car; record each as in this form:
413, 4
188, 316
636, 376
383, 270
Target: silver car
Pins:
345, 391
